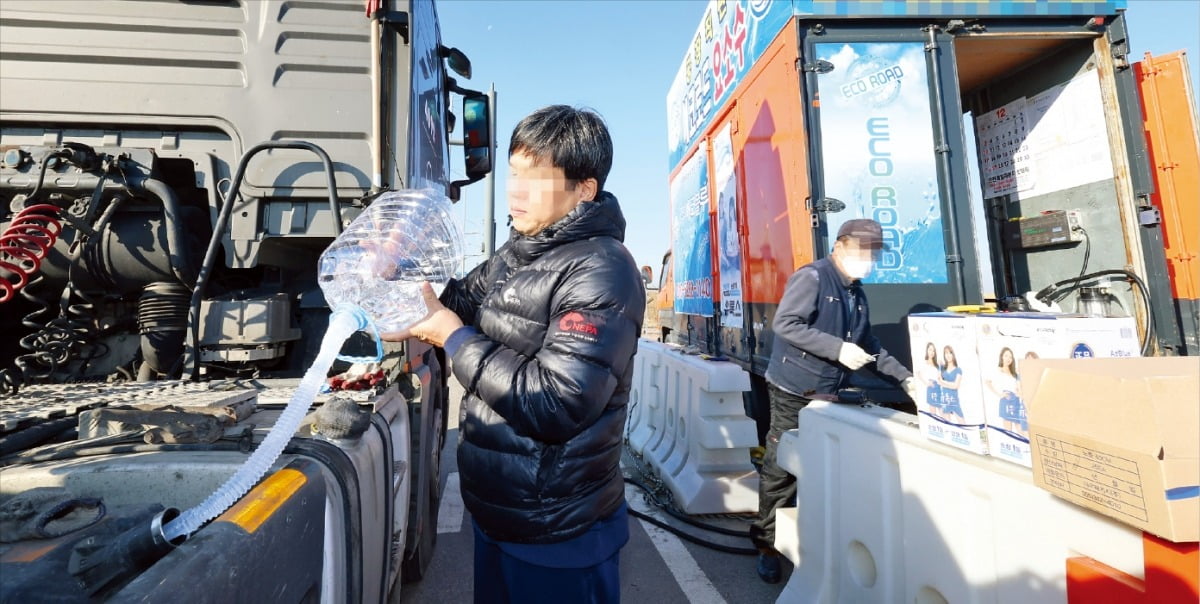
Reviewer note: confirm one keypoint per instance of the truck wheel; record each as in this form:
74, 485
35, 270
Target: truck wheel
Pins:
426, 495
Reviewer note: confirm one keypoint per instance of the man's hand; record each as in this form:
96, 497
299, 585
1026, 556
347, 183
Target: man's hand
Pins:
853, 357
434, 328
910, 388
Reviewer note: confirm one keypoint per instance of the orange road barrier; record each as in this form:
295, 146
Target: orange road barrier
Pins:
1172, 576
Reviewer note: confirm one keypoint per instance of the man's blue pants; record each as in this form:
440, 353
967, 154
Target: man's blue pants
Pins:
504, 579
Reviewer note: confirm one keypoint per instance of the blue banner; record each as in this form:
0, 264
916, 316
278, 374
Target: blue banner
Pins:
691, 248
729, 245
731, 37
877, 153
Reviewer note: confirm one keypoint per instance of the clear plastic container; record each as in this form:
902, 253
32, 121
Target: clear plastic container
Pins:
379, 261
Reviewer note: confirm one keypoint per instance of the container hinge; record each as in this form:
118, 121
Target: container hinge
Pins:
1149, 216
942, 148
953, 258
820, 66
828, 204
931, 43
398, 20
959, 26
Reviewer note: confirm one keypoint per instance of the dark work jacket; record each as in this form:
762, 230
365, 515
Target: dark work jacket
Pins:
547, 372
820, 310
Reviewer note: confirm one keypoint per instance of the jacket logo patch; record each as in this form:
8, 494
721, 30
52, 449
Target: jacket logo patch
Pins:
510, 296
574, 322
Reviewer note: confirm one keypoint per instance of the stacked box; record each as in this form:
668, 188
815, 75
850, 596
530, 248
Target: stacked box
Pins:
1119, 436
1005, 340
945, 364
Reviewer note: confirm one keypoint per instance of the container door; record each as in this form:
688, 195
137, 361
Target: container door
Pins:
1174, 147
884, 146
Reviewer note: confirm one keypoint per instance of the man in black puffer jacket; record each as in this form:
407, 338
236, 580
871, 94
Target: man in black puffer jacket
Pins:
542, 338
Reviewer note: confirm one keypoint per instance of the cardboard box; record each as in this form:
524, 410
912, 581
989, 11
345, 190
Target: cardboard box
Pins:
949, 406
1005, 341
1121, 437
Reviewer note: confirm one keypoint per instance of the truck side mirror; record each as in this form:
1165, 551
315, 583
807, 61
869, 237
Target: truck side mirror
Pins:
477, 135
457, 61
647, 275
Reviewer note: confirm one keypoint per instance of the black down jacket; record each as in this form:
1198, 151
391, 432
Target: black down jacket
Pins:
547, 376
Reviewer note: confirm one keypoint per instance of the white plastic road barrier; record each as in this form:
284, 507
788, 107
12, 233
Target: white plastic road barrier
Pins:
647, 417
690, 425
885, 515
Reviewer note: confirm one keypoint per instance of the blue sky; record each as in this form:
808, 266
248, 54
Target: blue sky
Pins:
619, 58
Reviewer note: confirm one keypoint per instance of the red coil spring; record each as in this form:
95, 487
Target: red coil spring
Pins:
23, 245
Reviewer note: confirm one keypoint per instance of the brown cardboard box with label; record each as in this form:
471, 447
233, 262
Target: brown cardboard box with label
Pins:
1121, 437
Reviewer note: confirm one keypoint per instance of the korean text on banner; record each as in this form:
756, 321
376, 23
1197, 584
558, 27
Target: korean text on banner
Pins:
730, 38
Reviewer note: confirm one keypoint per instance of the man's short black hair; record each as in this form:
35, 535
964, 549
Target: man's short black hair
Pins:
575, 140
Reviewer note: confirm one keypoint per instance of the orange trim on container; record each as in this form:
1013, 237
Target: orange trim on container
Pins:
1174, 568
